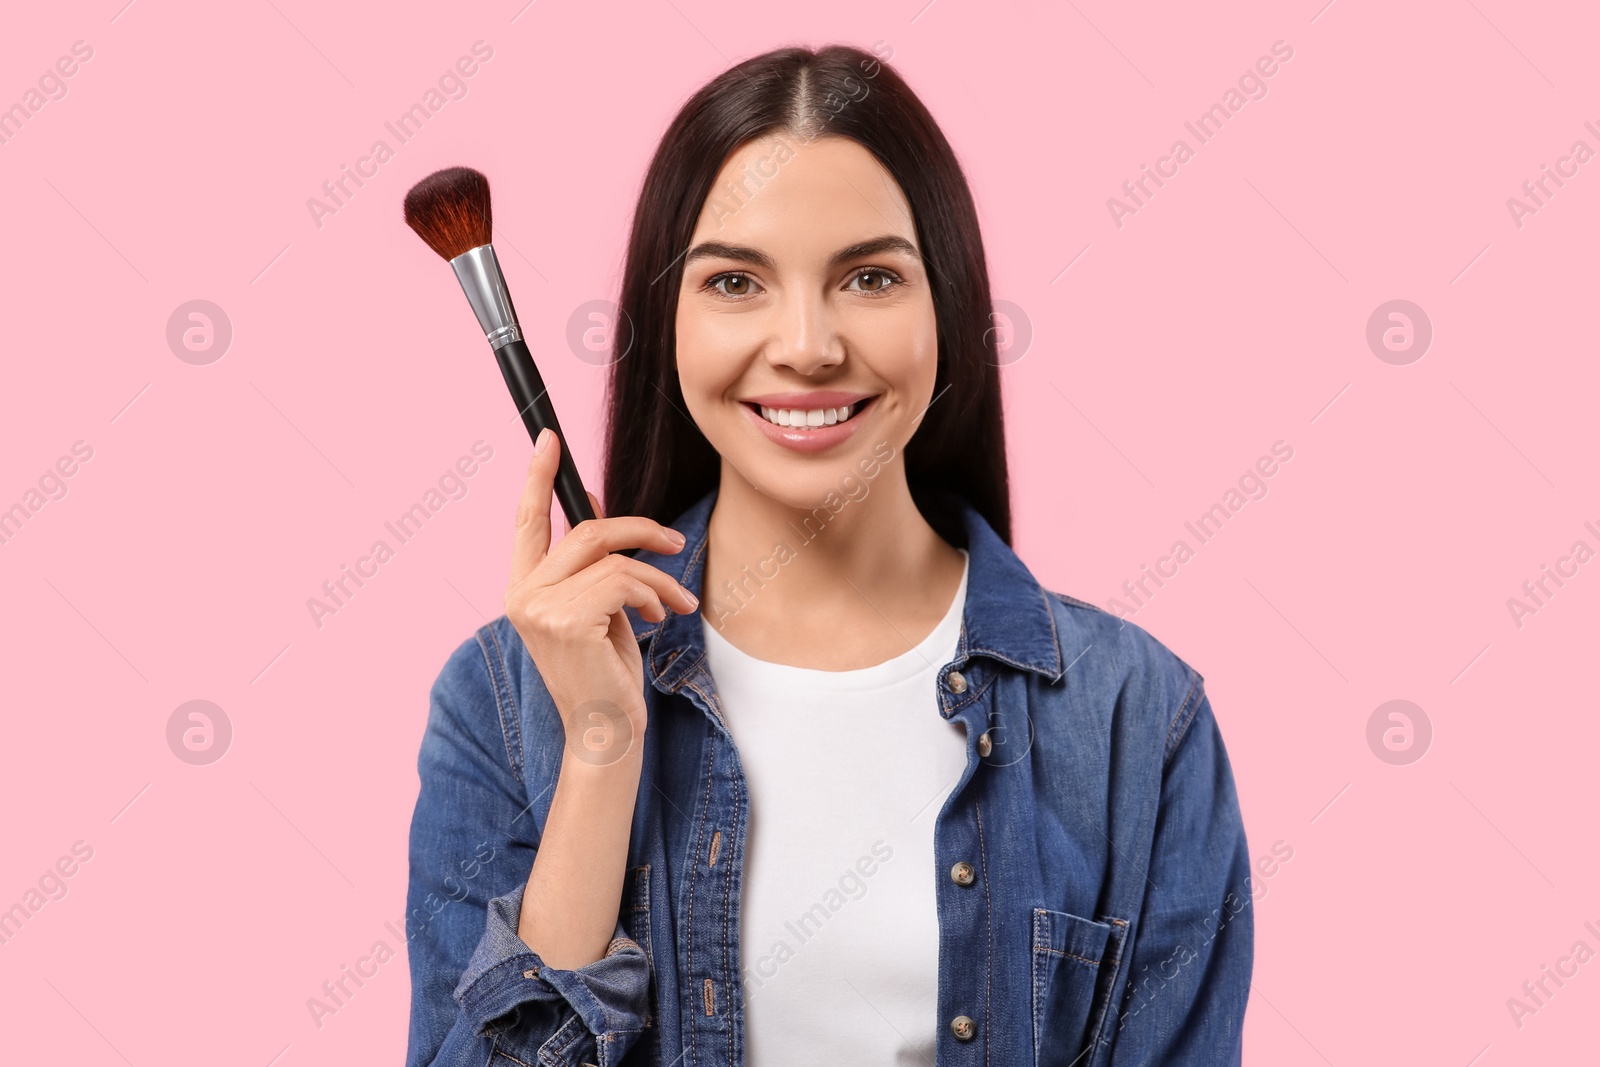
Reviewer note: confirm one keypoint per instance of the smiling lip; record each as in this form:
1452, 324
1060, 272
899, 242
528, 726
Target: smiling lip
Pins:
832, 398
811, 439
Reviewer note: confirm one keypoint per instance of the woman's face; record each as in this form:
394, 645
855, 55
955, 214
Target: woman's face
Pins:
803, 293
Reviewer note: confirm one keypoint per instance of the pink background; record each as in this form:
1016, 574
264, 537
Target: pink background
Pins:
1228, 313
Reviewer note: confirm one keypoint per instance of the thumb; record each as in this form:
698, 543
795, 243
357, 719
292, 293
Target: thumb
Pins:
531, 539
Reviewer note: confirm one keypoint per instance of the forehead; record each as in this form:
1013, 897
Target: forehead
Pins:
796, 199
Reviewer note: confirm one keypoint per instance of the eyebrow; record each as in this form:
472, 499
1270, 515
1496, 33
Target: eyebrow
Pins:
745, 254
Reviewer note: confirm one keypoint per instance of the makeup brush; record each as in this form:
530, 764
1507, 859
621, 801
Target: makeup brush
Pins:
450, 211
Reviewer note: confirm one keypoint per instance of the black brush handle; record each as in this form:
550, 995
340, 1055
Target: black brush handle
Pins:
533, 401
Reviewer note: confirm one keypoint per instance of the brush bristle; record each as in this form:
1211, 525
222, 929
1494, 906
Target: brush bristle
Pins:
449, 209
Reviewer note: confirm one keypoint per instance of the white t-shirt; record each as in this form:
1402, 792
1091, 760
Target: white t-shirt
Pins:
847, 771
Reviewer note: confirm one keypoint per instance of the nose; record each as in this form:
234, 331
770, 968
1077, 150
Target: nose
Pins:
804, 334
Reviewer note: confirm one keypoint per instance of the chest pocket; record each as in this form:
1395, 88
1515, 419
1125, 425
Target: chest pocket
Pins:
1075, 962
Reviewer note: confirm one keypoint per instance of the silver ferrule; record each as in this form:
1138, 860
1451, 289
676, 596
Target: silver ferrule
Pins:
478, 271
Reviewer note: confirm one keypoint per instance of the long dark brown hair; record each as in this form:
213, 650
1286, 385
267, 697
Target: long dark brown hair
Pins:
657, 461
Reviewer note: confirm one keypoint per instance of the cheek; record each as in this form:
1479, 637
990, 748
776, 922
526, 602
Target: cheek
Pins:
716, 336
707, 330
707, 350
927, 344
904, 347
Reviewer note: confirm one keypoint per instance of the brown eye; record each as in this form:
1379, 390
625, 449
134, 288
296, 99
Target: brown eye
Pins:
875, 281
732, 284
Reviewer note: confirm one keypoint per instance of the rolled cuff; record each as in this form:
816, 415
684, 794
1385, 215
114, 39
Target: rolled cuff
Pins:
507, 987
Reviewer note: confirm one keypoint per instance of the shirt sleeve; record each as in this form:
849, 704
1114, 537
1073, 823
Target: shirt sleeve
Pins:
476, 988
1188, 976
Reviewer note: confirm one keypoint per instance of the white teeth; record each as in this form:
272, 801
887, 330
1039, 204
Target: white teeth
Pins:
807, 418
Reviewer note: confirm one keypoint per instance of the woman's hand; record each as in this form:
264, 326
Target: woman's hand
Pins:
566, 602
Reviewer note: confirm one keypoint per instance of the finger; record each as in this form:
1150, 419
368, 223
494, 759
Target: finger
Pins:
590, 541
667, 589
532, 538
594, 502
621, 590
597, 608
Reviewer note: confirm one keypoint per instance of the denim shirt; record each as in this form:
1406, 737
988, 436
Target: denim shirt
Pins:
1091, 872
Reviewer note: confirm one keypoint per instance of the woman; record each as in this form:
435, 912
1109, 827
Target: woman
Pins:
817, 773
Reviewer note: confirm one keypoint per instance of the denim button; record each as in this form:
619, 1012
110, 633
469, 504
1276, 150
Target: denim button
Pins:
963, 1027
958, 682
962, 873
984, 744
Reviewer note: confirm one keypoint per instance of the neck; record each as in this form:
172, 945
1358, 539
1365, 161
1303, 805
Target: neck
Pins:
869, 548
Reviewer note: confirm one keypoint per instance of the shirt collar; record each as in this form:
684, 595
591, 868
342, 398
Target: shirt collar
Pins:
1007, 615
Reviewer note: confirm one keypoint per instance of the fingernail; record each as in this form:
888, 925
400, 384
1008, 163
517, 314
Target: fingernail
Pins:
542, 442
676, 536
694, 601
